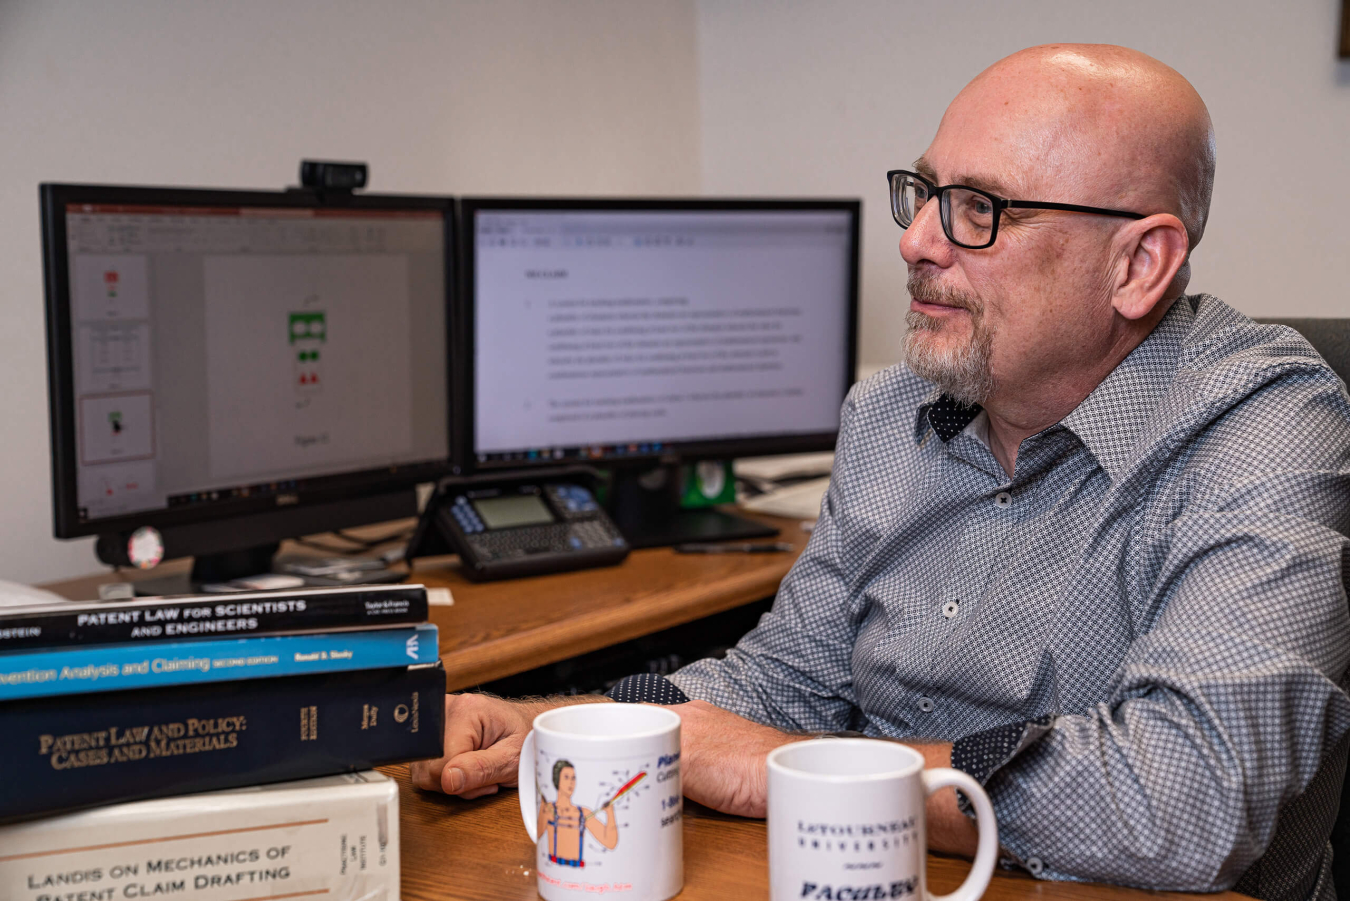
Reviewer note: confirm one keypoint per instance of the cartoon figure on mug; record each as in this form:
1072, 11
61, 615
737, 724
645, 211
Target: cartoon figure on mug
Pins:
563, 824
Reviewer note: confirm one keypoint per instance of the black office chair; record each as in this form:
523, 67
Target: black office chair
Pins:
1331, 339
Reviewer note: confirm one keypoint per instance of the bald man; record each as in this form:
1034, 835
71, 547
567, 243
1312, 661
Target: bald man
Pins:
1086, 544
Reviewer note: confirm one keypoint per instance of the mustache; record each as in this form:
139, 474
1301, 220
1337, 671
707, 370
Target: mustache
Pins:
927, 289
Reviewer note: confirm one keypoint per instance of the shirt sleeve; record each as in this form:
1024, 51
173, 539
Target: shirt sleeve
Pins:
1220, 716
793, 671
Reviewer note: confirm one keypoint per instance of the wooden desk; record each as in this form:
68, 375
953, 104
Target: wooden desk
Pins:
498, 629
478, 851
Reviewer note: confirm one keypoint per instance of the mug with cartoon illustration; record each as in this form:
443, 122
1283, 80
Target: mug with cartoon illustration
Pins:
600, 797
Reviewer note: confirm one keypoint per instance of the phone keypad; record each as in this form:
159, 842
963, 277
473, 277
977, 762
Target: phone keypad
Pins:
556, 538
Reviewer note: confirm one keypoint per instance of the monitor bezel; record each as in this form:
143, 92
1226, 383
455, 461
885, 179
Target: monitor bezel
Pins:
463, 415
338, 487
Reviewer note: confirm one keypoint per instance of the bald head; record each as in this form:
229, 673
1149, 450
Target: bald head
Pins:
1031, 323
1098, 125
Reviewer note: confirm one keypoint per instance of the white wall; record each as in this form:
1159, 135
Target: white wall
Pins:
823, 98
445, 96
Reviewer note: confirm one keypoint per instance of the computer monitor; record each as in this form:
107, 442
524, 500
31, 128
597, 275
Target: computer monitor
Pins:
635, 334
238, 367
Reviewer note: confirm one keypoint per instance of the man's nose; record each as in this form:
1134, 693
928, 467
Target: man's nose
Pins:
924, 239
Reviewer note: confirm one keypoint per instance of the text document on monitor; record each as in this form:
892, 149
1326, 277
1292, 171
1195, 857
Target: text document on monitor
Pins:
605, 328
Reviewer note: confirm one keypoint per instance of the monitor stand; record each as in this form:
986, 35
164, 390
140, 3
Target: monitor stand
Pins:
645, 505
212, 568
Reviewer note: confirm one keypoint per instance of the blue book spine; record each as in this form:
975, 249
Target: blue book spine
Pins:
112, 667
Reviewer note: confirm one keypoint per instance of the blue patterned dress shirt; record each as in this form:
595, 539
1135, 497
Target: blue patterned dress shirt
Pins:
1137, 641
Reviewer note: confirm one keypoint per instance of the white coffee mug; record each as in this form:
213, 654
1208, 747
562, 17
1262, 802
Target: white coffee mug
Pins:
600, 796
846, 822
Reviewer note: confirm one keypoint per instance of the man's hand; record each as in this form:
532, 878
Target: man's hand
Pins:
483, 735
723, 758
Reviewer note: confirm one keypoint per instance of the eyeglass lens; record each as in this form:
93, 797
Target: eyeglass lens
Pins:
908, 196
967, 216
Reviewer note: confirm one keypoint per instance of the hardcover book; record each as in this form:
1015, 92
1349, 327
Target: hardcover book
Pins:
335, 836
109, 667
211, 616
70, 751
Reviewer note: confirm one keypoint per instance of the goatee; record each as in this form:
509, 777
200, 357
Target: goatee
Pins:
961, 371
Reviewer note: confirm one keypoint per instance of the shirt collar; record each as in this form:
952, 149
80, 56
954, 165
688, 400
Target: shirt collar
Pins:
1110, 418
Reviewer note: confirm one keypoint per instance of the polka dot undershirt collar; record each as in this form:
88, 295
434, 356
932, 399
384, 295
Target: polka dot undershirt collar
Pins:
949, 419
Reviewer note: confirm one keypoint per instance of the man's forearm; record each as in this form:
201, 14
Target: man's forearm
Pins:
725, 769
536, 704
949, 830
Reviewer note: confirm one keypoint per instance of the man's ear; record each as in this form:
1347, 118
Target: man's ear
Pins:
1152, 254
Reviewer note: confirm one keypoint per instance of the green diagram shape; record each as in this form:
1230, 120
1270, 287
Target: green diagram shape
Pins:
312, 326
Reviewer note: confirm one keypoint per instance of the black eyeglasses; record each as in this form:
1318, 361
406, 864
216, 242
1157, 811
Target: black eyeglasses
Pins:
969, 216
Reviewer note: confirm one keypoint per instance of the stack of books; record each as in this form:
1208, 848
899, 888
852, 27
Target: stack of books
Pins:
197, 701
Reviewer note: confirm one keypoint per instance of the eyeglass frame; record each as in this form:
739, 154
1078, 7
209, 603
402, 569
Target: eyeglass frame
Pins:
1000, 204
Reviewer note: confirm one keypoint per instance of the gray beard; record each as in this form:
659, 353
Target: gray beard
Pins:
962, 373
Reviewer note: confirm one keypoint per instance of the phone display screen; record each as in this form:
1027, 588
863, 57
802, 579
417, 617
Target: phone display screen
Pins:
513, 510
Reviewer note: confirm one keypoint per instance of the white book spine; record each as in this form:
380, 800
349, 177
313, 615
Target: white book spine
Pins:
334, 838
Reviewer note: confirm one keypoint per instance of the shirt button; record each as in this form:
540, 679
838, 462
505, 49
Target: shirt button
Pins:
1034, 866
1002, 499
950, 608
926, 705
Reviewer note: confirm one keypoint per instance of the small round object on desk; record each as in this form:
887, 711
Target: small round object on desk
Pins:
145, 547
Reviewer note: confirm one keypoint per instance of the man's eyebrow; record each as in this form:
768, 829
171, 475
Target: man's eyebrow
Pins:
984, 184
925, 168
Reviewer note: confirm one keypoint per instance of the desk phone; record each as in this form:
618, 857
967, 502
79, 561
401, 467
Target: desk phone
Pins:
519, 528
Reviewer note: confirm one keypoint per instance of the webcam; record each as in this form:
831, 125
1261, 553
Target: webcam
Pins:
326, 175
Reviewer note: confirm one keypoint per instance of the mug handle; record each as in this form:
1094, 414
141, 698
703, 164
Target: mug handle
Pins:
987, 853
529, 792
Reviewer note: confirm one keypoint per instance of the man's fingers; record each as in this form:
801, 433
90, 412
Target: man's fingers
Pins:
490, 790
426, 774
475, 722
478, 769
